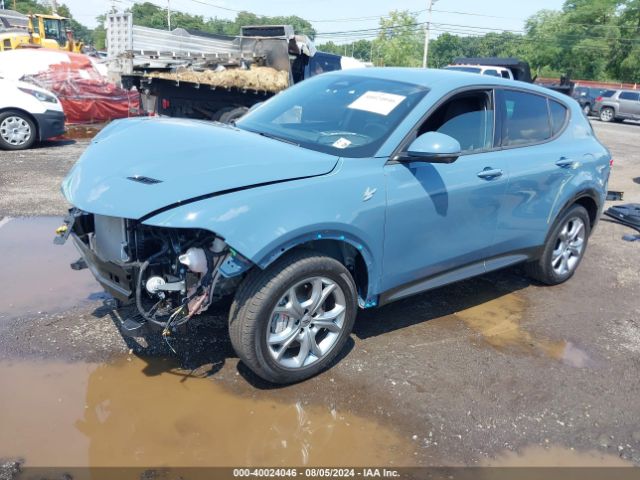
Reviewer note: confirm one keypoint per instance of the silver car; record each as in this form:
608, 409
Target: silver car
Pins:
618, 105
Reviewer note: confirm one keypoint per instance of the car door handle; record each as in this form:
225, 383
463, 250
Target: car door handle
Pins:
565, 162
490, 173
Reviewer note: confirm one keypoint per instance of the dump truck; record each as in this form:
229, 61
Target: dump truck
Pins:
192, 74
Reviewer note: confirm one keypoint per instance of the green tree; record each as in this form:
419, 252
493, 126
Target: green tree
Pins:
400, 41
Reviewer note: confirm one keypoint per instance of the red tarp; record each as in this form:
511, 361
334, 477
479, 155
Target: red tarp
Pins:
86, 95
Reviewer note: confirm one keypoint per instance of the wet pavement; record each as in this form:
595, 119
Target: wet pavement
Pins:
40, 279
494, 370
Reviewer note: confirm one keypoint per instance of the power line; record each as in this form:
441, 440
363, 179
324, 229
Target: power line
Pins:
374, 17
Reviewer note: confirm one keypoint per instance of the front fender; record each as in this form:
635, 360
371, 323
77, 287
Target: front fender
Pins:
262, 223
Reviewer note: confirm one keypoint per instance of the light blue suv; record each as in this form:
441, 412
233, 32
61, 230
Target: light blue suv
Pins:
352, 189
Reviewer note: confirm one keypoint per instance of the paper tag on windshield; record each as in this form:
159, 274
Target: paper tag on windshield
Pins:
377, 102
341, 143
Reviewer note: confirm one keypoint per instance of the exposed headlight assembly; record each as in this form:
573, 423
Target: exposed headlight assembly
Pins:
43, 97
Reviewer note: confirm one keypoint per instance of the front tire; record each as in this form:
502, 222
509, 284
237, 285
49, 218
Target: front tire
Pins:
288, 322
586, 109
17, 131
564, 248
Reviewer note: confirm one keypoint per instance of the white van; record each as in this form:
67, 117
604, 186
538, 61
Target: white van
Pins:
27, 114
483, 70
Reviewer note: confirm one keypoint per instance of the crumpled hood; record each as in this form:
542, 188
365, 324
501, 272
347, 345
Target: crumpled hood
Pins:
181, 160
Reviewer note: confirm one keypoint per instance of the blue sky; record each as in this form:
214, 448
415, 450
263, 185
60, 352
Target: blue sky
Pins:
511, 13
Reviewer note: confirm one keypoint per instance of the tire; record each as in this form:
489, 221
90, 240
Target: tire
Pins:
607, 114
256, 328
17, 130
565, 247
233, 114
586, 109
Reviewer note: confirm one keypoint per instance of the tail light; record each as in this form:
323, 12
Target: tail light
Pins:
599, 99
165, 103
611, 163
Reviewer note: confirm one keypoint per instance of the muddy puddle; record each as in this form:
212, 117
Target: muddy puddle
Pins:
556, 456
498, 321
35, 275
137, 412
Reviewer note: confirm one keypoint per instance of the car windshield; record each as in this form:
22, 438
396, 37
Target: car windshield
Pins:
344, 115
465, 69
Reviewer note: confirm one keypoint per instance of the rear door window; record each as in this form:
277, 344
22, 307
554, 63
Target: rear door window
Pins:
525, 118
630, 96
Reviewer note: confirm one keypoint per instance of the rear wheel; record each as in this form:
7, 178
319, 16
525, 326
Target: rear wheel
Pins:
288, 322
17, 130
564, 248
607, 114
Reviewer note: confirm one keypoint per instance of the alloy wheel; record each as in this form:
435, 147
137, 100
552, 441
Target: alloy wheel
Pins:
569, 246
306, 323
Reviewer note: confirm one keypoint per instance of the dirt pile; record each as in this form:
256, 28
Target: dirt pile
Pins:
256, 78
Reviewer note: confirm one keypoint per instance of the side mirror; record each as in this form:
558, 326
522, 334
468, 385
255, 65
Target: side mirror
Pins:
434, 147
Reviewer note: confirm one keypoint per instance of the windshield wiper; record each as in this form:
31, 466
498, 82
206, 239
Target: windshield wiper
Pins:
280, 139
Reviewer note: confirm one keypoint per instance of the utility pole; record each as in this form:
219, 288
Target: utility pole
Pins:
54, 7
169, 14
425, 56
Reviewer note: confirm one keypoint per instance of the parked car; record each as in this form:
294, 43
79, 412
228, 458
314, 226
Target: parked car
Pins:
586, 97
351, 189
27, 114
618, 105
492, 71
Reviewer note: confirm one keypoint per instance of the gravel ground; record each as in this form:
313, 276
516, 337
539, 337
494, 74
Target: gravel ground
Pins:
466, 372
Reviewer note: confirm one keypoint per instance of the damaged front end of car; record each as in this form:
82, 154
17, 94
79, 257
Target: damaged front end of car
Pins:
169, 274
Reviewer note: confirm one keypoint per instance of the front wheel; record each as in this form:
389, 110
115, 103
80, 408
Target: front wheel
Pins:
287, 323
586, 109
564, 248
17, 131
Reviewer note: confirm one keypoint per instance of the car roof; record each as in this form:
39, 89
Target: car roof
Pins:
444, 80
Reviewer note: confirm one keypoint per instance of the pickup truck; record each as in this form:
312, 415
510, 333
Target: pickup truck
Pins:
509, 68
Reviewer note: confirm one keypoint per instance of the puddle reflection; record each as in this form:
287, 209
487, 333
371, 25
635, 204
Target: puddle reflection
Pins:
35, 275
135, 413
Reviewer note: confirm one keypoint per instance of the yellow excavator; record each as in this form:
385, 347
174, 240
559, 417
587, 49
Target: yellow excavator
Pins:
36, 30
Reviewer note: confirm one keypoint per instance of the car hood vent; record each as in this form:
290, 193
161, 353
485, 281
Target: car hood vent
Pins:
145, 180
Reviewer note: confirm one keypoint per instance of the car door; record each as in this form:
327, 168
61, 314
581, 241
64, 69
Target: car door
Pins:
442, 217
539, 164
629, 104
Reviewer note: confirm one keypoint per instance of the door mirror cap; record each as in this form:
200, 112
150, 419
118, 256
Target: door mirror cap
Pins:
434, 147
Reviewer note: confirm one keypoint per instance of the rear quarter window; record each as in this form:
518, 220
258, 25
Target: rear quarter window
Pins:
608, 93
558, 114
